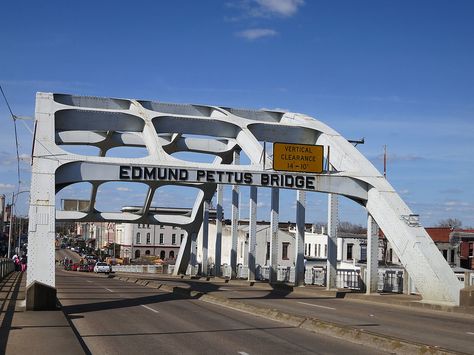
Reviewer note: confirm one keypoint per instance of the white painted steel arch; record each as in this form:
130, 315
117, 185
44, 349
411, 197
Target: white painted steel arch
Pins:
164, 129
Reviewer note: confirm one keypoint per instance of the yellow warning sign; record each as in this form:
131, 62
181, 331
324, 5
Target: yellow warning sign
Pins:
298, 157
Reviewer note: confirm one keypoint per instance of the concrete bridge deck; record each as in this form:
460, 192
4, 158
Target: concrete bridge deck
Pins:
347, 317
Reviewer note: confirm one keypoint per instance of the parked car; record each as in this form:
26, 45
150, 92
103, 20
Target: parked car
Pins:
86, 268
102, 267
75, 267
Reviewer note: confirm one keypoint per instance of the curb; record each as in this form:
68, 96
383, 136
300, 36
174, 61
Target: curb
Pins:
377, 341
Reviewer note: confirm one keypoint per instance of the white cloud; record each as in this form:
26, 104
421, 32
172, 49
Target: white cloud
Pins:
6, 186
284, 8
123, 189
256, 33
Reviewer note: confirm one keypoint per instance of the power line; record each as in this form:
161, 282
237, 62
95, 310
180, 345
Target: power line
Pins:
16, 136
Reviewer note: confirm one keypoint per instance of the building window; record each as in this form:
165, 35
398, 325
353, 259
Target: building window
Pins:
181, 240
162, 255
305, 248
138, 238
452, 256
137, 254
471, 249
309, 249
173, 239
445, 254
325, 250
363, 252
161, 238
138, 225
148, 226
147, 252
148, 238
349, 251
319, 250
162, 226
284, 250
172, 254
268, 251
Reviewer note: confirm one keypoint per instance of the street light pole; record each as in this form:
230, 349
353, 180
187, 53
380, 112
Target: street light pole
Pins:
10, 229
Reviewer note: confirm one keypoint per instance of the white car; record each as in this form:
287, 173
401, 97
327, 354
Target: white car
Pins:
102, 267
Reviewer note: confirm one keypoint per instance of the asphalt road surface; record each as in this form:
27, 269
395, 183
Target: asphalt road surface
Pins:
452, 331
114, 317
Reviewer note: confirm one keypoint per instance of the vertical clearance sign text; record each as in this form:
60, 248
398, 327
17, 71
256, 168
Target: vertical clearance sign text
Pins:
303, 158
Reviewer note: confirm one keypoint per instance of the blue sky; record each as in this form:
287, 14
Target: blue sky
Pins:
398, 73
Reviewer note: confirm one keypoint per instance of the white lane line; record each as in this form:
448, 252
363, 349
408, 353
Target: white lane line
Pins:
242, 353
317, 305
470, 333
151, 309
108, 289
89, 281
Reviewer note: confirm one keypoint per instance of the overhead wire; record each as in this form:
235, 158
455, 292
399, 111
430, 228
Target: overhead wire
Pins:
16, 136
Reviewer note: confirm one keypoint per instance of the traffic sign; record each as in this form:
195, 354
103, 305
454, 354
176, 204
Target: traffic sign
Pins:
305, 158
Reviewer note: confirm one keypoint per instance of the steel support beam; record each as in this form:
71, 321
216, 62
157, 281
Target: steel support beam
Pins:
274, 219
235, 221
218, 246
372, 255
193, 259
299, 238
205, 238
252, 233
331, 266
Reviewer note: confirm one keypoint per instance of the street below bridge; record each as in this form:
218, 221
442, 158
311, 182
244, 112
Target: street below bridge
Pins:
115, 317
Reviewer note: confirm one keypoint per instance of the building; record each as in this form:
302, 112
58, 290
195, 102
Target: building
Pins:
137, 240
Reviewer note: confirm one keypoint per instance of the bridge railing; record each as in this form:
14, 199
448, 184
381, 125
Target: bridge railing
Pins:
6, 267
389, 279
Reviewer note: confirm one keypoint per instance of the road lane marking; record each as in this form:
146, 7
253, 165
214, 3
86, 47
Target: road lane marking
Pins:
242, 353
151, 309
108, 289
316, 305
470, 333
88, 281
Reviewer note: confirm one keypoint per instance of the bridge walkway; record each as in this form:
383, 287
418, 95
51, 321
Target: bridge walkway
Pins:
29, 332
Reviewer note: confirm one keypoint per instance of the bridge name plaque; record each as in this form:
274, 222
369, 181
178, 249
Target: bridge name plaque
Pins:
144, 173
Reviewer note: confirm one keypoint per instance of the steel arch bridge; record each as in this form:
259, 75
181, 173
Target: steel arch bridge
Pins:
225, 133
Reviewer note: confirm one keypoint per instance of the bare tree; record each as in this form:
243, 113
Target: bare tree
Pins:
453, 223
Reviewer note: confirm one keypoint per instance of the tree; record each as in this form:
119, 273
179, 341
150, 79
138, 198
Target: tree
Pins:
453, 223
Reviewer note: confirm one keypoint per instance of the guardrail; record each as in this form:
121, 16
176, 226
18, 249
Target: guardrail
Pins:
6, 267
147, 269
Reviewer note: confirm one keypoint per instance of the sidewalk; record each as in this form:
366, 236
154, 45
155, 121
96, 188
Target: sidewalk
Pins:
23, 332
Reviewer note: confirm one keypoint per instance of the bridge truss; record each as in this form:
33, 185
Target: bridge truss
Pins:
225, 133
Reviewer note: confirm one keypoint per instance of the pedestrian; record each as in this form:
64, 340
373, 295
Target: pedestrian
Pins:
23, 263
17, 264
